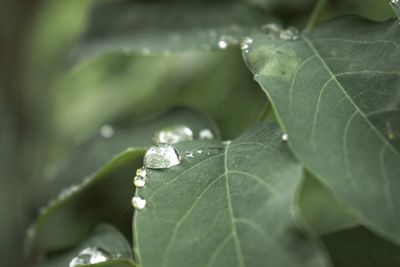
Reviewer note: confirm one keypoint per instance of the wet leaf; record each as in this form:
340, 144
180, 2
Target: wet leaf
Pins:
146, 28
94, 189
104, 239
336, 92
226, 206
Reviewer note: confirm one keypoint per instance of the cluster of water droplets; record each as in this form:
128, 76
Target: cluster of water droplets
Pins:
90, 255
163, 155
226, 40
245, 44
276, 31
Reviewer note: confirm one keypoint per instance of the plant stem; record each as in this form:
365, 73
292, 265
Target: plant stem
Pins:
312, 21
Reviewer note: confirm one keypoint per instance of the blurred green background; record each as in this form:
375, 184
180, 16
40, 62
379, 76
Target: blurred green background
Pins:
47, 108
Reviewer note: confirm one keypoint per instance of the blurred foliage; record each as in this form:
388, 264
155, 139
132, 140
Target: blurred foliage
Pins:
47, 110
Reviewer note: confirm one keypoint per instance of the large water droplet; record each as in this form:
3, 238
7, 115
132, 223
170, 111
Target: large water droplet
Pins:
206, 134
395, 4
290, 33
91, 255
162, 156
138, 202
174, 134
107, 131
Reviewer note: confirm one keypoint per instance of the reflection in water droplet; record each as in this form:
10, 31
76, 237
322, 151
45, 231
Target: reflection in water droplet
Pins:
162, 156
91, 255
206, 134
395, 4
107, 131
290, 33
138, 202
174, 134
285, 137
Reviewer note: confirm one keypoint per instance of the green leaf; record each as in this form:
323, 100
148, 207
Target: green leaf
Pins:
228, 206
104, 195
129, 26
371, 9
99, 149
79, 207
336, 92
107, 240
320, 208
360, 247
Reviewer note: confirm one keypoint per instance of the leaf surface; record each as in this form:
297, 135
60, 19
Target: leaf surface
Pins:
226, 206
336, 91
105, 238
145, 28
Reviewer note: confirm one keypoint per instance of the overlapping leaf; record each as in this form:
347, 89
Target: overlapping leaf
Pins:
359, 247
104, 195
129, 26
107, 240
336, 92
225, 206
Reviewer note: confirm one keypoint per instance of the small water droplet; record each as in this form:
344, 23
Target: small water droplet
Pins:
222, 44
141, 172
227, 142
173, 135
138, 202
199, 151
139, 181
290, 33
162, 156
189, 154
107, 131
91, 255
245, 45
285, 137
206, 134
